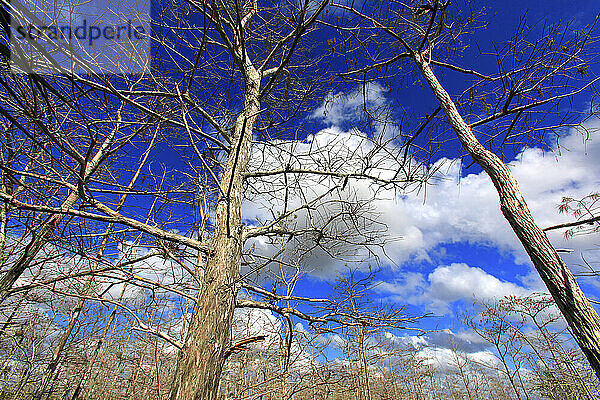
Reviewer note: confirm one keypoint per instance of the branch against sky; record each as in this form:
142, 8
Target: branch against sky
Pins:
539, 75
257, 168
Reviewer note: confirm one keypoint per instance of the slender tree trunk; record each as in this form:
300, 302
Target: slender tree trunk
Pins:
209, 336
132, 382
58, 350
575, 307
90, 365
366, 385
14, 312
511, 378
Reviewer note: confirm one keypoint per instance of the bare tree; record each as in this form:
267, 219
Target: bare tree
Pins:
495, 111
228, 85
212, 168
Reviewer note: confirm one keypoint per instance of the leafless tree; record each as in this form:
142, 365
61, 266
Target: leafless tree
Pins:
204, 187
496, 111
228, 85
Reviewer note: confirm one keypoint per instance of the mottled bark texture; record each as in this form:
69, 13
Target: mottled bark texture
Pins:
209, 335
575, 307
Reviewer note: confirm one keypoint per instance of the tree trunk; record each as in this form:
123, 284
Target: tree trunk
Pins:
83, 377
209, 336
57, 353
50, 370
575, 307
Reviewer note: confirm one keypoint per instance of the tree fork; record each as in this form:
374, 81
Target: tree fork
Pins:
570, 299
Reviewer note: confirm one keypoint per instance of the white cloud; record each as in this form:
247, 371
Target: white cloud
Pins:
415, 342
444, 349
350, 212
448, 284
460, 281
445, 359
451, 209
154, 272
340, 108
251, 322
466, 209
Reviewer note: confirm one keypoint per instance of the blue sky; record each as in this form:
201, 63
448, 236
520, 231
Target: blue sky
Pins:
453, 243
447, 242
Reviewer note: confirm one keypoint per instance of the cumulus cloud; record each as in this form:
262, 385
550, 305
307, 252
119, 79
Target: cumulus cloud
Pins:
466, 208
156, 275
338, 203
325, 211
460, 281
454, 208
444, 349
446, 359
464, 340
447, 284
251, 322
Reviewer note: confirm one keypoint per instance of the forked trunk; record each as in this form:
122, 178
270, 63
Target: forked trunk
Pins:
41, 237
38, 240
